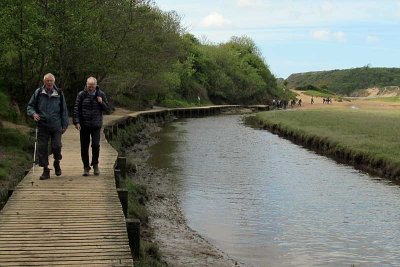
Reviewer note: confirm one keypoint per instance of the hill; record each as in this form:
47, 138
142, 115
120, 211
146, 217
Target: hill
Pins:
347, 81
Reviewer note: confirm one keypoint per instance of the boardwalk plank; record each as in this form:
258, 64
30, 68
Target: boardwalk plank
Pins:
69, 220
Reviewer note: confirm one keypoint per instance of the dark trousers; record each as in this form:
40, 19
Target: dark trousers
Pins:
85, 134
44, 136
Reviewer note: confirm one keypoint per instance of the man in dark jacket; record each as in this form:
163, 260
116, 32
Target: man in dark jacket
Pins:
47, 107
88, 119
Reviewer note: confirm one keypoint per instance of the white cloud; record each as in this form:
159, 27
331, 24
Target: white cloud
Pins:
321, 35
325, 35
340, 36
372, 39
215, 20
247, 3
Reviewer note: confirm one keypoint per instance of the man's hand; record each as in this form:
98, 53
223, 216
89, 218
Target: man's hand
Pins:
63, 130
78, 126
36, 117
100, 99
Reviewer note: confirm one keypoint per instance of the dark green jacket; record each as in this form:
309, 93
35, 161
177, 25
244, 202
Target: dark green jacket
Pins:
52, 109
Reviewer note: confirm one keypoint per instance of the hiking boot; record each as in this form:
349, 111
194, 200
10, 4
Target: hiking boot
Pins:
46, 174
96, 169
57, 168
86, 171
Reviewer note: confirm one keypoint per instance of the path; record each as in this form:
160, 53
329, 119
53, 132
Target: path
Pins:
68, 220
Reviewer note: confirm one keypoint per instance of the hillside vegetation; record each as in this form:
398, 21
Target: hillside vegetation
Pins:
346, 81
141, 55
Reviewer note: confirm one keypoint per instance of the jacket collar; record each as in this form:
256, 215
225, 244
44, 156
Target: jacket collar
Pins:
96, 90
54, 93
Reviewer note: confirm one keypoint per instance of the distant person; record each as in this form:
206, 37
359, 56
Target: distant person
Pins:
299, 104
88, 120
47, 107
312, 100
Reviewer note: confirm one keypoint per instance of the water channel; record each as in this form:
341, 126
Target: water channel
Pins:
268, 202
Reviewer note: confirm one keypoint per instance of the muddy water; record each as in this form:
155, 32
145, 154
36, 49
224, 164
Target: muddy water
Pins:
268, 202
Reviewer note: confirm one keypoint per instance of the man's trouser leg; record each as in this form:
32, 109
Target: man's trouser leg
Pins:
56, 144
85, 140
95, 133
43, 150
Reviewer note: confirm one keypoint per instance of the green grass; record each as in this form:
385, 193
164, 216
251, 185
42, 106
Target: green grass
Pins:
16, 152
7, 111
15, 157
370, 136
390, 99
137, 196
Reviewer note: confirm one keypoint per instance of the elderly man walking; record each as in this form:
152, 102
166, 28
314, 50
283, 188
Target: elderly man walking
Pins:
88, 119
47, 107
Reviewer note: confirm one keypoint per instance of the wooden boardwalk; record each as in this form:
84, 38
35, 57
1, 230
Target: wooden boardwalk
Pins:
69, 220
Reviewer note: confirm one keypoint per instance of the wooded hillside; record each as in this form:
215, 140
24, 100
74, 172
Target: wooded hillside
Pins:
140, 55
347, 81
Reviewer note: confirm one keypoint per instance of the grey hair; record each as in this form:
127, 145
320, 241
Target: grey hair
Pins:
49, 75
91, 79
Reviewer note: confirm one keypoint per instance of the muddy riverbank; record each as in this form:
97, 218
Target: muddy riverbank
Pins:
178, 243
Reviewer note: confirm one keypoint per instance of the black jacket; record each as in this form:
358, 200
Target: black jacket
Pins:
87, 111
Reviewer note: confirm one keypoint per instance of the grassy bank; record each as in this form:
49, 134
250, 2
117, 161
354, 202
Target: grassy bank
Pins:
391, 99
16, 148
367, 139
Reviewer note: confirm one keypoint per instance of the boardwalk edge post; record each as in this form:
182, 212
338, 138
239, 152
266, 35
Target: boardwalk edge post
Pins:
10, 191
123, 198
133, 228
117, 177
121, 164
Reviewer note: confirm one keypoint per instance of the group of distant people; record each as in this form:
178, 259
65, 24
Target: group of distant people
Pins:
327, 100
282, 103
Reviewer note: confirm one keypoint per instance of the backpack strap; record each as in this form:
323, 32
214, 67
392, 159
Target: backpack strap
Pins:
38, 92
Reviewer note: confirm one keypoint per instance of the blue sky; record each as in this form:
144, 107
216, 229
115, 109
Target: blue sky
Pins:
301, 35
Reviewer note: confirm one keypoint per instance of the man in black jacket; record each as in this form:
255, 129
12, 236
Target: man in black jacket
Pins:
88, 119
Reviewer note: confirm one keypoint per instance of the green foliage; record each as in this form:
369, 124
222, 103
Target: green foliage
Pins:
15, 139
7, 110
136, 200
318, 93
15, 154
140, 55
150, 255
348, 80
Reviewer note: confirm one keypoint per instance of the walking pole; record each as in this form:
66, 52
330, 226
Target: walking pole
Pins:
34, 152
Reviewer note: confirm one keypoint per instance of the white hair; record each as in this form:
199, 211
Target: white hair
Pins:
91, 80
49, 75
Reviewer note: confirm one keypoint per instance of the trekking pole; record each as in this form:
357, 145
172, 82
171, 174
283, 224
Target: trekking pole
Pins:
34, 152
